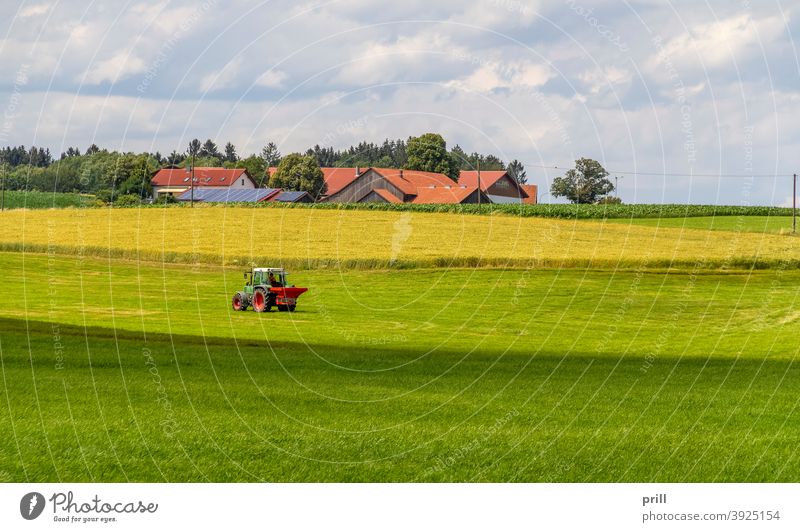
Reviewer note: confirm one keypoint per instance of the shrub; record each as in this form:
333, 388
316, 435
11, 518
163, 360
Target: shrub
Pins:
127, 200
165, 199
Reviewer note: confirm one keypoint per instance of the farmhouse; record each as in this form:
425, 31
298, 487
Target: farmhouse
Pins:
497, 184
393, 185
176, 181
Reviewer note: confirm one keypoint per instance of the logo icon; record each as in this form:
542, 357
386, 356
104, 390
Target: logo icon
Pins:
31, 505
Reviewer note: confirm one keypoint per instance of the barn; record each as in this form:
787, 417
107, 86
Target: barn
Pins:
497, 184
393, 185
176, 181
533, 194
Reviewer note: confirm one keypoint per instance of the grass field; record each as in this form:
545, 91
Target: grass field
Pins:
736, 224
119, 369
19, 199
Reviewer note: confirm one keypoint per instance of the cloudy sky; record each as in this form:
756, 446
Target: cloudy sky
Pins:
655, 90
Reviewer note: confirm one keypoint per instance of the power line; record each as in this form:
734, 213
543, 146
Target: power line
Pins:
664, 174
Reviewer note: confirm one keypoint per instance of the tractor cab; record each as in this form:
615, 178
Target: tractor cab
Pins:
269, 276
265, 288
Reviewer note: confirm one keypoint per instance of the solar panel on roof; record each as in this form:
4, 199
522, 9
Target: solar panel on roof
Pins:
290, 195
249, 195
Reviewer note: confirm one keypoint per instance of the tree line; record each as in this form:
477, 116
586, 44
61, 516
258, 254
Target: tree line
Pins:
110, 173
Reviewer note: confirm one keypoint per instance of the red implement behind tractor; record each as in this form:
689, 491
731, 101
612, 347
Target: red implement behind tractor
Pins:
266, 288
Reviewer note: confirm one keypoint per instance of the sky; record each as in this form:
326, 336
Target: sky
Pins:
667, 95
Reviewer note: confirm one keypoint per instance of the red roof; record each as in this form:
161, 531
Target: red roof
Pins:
437, 194
488, 178
427, 187
408, 181
204, 177
388, 196
337, 178
532, 192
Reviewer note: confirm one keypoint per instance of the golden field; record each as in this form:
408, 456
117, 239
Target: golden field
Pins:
323, 237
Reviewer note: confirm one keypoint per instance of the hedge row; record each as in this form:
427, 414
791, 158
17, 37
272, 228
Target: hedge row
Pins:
544, 210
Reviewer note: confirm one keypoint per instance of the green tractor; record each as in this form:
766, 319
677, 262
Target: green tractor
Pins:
266, 288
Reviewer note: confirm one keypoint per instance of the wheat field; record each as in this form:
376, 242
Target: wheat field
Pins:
316, 238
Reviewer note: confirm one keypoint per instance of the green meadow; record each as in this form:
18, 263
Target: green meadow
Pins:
748, 224
117, 370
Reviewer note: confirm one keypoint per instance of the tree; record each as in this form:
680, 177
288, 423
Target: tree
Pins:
255, 167
583, 184
429, 154
194, 148
209, 149
517, 171
461, 157
299, 172
92, 149
271, 155
174, 158
230, 153
324, 156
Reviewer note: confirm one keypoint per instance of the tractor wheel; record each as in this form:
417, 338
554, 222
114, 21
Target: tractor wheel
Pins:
259, 300
270, 301
291, 308
282, 308
239, 302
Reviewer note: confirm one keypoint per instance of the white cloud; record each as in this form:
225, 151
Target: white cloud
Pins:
272, 79
415, 57
718, 44
34, 10
497, 75
605, 78
226, 78
120, 66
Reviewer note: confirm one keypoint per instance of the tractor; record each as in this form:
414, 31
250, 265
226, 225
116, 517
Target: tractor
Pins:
266, 288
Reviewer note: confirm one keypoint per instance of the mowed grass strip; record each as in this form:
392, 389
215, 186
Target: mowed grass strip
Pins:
311, 238
119, 371
781, 225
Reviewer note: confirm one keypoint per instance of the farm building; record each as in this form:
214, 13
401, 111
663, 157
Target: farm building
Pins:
533, 194
176, 181
392, 185
497, 184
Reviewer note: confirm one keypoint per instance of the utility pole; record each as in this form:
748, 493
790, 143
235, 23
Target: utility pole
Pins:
479, 185
191, 177
3, 203
192, 199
